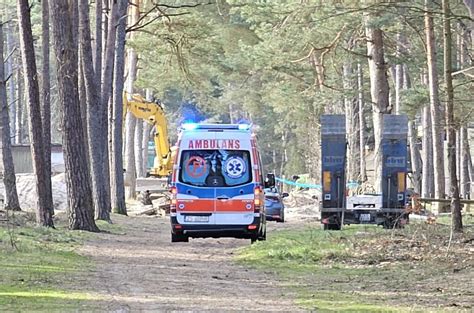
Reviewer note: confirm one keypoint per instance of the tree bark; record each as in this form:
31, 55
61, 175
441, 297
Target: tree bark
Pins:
436, 119
9, 178
361, 101
94, 123
146, 137
117, 181
46, 102
80, 206
139, 148
415, 157
109, 39
399, 73
450, 124
19, 107
464, 168
352, 123
131, 121
98, 44
44, 212
11, 82
427, 187
379, 91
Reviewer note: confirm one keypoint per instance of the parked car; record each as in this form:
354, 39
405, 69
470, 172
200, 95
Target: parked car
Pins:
274, 207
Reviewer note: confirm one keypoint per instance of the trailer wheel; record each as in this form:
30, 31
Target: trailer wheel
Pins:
179, 238
332, 226
391, 224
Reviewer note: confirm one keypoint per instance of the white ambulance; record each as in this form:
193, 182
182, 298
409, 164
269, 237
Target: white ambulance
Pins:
217, 184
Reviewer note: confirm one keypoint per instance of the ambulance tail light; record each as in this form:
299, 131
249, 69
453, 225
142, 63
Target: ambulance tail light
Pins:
257, 202
174, 201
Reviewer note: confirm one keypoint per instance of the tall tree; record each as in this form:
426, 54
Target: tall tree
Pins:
379, 90
352, 121
361, 102
108, 39
131, 120
116, 181
44, 211
46, 101
451, 130
80, 205
94, 123
436, 119
19, 107
9, 178
11, 81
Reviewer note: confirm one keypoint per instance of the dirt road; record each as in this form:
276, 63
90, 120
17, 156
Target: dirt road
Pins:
140, 270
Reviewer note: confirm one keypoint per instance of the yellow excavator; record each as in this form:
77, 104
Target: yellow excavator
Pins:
153, 113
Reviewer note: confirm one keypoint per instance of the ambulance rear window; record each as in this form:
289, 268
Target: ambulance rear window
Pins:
215, 168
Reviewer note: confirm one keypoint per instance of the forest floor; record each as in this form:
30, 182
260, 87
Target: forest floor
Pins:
139, 269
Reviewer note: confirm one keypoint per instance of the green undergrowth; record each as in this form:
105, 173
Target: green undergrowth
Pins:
369, 269
37, 265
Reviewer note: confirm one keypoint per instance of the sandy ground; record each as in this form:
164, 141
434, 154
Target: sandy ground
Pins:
140, 270
25, 184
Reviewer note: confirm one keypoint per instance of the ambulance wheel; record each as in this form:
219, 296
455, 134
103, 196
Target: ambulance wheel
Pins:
179, 238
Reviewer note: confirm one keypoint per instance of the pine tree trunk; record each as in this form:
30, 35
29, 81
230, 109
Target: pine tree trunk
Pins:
415, 157
117, 181
352, 123
98, 44
436, 118
83, 102
454, 190
427, 187
94, 124
131, 121
44, 212
401, 78
129, 153
19, 107
361, 100
109, 39
139, 148
9, 178
465, 159
11, 82
46, 102
379, 91
146, 136
80, 205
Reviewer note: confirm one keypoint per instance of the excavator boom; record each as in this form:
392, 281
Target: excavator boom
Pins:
153, 113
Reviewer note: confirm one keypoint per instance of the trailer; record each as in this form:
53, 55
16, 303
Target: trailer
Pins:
333, 163
386, 208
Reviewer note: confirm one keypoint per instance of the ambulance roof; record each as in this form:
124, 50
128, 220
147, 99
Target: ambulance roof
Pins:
196, 126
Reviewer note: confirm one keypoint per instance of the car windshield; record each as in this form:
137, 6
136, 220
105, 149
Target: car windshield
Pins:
215, 168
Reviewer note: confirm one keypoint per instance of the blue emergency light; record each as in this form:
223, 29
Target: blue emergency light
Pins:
190, 126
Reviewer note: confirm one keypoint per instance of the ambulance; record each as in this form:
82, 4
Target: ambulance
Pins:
217, 184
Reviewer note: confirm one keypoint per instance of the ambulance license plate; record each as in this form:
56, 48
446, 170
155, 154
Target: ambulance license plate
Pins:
364, 217
196, 218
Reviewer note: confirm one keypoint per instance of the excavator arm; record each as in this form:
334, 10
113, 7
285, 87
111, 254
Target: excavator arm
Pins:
152, 113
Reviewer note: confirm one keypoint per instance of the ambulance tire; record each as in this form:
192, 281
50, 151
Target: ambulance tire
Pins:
179, 238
